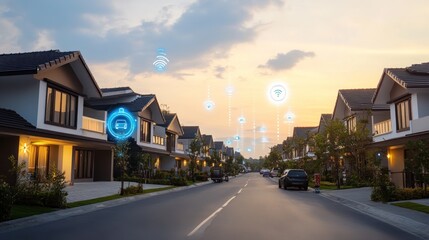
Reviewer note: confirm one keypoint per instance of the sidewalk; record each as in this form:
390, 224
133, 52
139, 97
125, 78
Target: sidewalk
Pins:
90, 190
359, 199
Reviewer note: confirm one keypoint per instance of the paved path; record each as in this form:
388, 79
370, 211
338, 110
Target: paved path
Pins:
90, 190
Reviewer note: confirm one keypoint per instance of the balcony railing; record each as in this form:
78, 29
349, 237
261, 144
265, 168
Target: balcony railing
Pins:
179, 147
94, 125
382, 127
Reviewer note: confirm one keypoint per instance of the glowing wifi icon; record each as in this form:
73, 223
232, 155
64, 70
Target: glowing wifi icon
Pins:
161, 61
278, 93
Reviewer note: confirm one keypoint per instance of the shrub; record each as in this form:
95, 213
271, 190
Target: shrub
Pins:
410, 193
178, 181
161, 174
203, 177
6, 201
133, 190
383, 190
159, 181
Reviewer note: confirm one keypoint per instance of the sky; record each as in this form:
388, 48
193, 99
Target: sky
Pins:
245, 71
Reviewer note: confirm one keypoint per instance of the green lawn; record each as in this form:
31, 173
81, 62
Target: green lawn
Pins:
20, 211
413, 206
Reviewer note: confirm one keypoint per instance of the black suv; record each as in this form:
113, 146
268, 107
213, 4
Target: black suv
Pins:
294, 178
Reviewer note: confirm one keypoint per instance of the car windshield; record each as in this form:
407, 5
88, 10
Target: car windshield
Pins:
295, 173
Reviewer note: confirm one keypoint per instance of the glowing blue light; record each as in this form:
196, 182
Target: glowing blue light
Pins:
236, 138
249, 149
229, 90
121, 124
277, 92
228, 142
289, 117
209, 105
242, 120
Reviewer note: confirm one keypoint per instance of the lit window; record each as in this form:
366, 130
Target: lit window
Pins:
60, 108
403, 115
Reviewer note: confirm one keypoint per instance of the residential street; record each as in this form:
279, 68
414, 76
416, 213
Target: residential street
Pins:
247, 207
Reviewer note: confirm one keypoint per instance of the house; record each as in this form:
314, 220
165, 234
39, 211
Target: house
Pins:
323, 122
176, 149
300, 142
354, 106
219, 147
44, 120
145, 114
189, 134
400, 115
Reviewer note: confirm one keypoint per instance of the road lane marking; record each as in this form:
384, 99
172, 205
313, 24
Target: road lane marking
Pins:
197, 228
227, 202
240, 191
245, 185
203, 222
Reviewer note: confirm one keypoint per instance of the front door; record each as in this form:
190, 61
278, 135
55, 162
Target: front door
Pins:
83, 164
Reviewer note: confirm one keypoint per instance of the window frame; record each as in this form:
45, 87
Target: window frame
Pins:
402, 108
145, 136
66, 119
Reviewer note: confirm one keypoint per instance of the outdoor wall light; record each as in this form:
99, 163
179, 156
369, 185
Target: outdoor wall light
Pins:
25, 148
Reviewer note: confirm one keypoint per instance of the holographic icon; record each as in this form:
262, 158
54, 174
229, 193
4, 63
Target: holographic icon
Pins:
289, 117
228, 142
278, 93
262, 129
249, 149
161, 61
265, 140
229, 90
121, 124
236, 138
242, 120
209, 105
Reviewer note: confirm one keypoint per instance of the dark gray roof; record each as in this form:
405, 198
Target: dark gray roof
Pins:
105, 103
219, 145
11, 119
207, 139
415, 76
168, 118
358, 99
189, 132
31, 62
302, 132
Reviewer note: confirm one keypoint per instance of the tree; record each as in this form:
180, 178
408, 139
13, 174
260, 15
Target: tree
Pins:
193, 152
121, 156
417, 161
273, 159
330, 145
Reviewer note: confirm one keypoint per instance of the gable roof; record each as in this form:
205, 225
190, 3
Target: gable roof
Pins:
207, 139
113, 102
35, 62
189, 132
219, 145
414, 76
169, 119
357, 99
302, 132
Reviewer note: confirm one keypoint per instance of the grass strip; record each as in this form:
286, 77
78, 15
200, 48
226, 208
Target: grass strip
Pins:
20, 211
113, 197
413, 206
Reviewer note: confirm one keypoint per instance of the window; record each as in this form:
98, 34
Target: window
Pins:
158, 140
403, 115
38, 162
351, 124
60, 108
144, 131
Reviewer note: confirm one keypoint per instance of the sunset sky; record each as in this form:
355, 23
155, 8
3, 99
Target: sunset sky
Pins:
230, 53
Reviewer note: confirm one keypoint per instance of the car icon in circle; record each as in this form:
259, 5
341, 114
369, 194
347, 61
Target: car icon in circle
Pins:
121, 124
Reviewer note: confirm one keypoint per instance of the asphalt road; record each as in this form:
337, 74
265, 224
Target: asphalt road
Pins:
247, 207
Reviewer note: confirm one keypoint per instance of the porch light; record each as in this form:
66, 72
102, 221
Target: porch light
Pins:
25, 148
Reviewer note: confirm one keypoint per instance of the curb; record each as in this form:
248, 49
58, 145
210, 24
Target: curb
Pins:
406, 224
64, 213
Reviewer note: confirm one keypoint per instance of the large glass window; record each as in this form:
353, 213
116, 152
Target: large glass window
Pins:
38, 162
351, 124
403, 115
144, 131
60, 108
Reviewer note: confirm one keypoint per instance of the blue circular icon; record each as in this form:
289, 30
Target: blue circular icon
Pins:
121, 124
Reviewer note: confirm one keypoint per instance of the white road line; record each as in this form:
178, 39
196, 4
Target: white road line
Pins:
245, 185
240, 191
227, 202
203, 222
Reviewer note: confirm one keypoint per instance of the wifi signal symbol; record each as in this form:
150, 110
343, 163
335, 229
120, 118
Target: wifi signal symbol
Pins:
278, 92
161, 61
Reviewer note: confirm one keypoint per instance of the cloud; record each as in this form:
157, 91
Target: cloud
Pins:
219, 71
44, 41
284, 61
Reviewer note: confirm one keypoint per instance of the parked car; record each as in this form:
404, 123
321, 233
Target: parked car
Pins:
218, 175
274, 172
294, 178
265, 172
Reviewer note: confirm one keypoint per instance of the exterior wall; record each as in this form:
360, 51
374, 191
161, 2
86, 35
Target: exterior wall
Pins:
396, 165
423, 103
167, 163
65, 153
9, 145
103, 165
64, 76
21, 94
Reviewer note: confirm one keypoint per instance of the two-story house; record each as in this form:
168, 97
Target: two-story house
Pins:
176, 149
300, 142
220, 149
402, 115
323, 122
189, 134
44, 119
147, 114
354, 106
